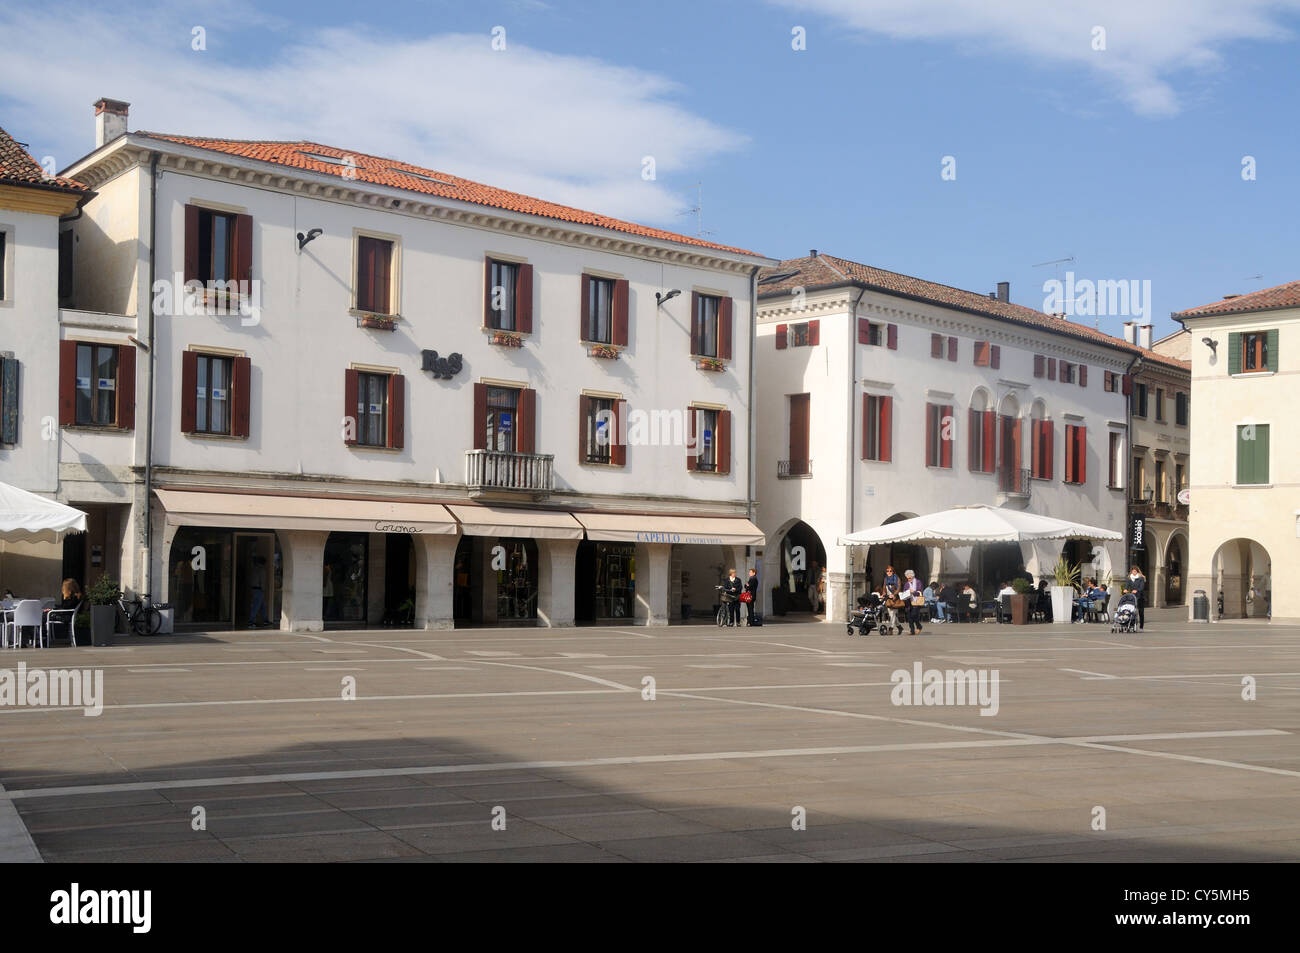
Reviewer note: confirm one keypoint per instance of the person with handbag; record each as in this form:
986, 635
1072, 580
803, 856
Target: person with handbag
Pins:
914, 597
750, 596
732, 588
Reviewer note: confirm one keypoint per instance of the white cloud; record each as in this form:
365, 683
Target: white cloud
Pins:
1147, 41
565, 128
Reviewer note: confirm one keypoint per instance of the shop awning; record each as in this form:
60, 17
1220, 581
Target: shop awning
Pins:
698, 530
327, 513
504, 521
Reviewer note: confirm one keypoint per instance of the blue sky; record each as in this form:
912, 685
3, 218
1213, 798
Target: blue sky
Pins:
1127, 158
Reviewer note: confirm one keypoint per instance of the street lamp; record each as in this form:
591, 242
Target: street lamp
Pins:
1148, 493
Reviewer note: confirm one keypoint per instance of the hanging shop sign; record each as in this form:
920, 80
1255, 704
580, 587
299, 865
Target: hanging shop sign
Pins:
442, 367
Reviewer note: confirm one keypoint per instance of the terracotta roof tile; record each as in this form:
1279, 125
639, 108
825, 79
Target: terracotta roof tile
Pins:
19, 168
822, 271
1266, 299
396, 174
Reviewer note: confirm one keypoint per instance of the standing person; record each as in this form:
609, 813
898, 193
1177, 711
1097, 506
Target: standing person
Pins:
891, 582
911, 592
733, 587
814, 587
327, 591
1138, 583
751, 587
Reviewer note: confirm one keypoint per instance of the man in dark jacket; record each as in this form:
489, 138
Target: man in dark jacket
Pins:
1138, 583
733, 587
751, 587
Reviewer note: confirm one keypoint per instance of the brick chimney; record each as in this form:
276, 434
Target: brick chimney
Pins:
1004, 291
110, 120
1144, 336
1128, 332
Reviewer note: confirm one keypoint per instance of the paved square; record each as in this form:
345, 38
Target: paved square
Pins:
550, 730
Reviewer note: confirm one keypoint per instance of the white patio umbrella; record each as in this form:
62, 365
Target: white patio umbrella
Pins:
971, 525
26, 517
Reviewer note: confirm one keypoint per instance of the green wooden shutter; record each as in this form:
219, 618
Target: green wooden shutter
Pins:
1261, 449
1272, 349
9, 401
1245, 458
1234, 353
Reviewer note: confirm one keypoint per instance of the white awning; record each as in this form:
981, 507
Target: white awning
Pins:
26, 517
325, 513
695, 530
506, 521
980, 523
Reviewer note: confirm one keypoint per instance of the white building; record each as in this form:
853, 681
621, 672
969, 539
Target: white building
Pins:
401, 409
1245, 499
883, 396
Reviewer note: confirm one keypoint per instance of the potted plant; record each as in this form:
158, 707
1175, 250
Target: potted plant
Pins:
103, 596
384, 322
1066, 580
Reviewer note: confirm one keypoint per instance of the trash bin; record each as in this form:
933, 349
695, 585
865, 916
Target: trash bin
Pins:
1200, 606
168, 614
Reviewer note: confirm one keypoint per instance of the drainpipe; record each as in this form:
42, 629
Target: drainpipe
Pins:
1134, 366
148, 440
853, 428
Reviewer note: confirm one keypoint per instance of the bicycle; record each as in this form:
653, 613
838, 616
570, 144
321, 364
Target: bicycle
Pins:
141, 615
724, 607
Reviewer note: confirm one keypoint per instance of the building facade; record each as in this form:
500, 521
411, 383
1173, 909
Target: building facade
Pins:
367, 392
1160, 467
884, 397
1245, 500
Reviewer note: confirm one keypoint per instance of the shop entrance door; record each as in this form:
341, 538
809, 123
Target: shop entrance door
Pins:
254, 578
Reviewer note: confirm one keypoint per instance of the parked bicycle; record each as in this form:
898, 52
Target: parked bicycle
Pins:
141, 615
725, 602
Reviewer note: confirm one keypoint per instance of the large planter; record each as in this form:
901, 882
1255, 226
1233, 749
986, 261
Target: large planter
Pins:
1062, 604
1019, 609
103, 620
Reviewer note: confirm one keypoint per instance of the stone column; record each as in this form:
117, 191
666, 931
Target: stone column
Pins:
555, 581
435, 567
376, 576
653, 589
303, 555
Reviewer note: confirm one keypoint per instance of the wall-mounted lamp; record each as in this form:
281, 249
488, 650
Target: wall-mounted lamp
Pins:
310, 236
1212, 344
1148, 493
661, 298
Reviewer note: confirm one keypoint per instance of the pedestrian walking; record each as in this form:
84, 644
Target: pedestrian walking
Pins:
1137, 581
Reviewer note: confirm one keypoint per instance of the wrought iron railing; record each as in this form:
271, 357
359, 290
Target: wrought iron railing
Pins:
497, 470
1014, 480
793, 468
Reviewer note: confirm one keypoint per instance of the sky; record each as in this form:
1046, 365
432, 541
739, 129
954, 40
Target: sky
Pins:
963, 141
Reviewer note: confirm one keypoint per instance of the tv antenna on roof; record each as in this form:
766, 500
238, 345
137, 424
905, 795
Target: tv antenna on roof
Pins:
1253, 278
698, 211
1058, 262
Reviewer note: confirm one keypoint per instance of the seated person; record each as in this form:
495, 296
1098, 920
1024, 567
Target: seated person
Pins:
1083, 604
948, 602
932, 605
71, 599
1006, 590
968, 602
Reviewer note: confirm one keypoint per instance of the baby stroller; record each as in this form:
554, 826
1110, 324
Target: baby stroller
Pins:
1125, 617
888, 621
866, 616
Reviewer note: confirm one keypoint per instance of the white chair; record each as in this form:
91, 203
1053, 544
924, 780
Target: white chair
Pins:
61, 616
27, 614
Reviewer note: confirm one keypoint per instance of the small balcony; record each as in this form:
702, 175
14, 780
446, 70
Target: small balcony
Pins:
1014, 482
793, 469
495, 472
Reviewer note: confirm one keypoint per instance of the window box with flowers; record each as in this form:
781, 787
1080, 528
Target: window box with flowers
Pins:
607, 351
504, 338
380, 322
710, 364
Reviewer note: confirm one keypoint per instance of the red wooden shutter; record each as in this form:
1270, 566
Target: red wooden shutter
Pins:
126, 386
383, 287
525, 435
724, 329
242, 252
866, 409
887, 426
936, 345
1049, 433
524, 301
1127, 387
241, 372
487, 294
814, 333
480, 417
973, 432
584, 415
781, 341
618, 448
722, 442
696, 344
67, 383
990, 441
1081, 441
350, 422
892, 340
1040, 365
585, 308
995, 357
929, 437
365, 274
945, 441
1017, 453
621, 315
692, 441
397, 412
1083, 375
864, 331
1051, 368
952, 349
189, 392
191, 243
981, 355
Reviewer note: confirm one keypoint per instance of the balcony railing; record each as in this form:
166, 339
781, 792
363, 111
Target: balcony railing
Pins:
1014, 481
786, 469
497, 470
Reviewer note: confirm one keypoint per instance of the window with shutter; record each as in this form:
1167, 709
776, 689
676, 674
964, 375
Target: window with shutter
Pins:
95, 380
502, 304
598, 431
598, 310
705, 335
782, 338
374, 278
1051, 368
705, 440
1252, 454
891, 337
952, 349
8, 397
877, 428
981, 353
936, 345
1040, 365
1180, 409
800, 418
995, 356
1083, 375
